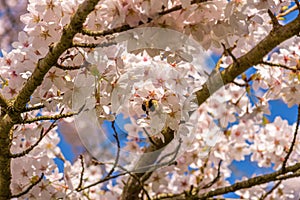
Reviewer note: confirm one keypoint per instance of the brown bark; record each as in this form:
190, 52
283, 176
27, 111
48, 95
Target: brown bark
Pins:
278, 35
10, 114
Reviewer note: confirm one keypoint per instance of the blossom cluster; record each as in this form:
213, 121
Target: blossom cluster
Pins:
122, 80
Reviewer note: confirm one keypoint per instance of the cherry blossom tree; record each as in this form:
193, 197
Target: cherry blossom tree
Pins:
134, 84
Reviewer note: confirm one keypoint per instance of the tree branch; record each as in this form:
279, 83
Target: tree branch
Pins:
35, 80
214, 82
253, 57
127, 27
45, 64
258, 180
3, 102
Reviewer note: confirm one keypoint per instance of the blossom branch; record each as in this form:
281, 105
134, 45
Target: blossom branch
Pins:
108, 176
253, 57
35, 80
141, 185
39, 105
127, 27
160, 163
29, 188
258, 180
294, 140
42, 135
173, 154
55, 117
45, 64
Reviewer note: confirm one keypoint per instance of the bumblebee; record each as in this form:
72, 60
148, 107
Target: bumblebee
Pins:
149, 105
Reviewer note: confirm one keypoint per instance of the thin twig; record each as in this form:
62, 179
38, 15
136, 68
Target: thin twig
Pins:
94, 45
228, 52
150, 138
42, 135
160, 163
273, 19
39, 105
29, 188
270, 191
28, 109
67, 67
54, 117
294, 140
101, 181
167, 196
138, 180
118, 151
240, 84
208, 185
108, 176
174, 153
278, 65
81, 174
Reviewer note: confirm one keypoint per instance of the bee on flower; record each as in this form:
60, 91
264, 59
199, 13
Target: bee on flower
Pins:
150, 105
